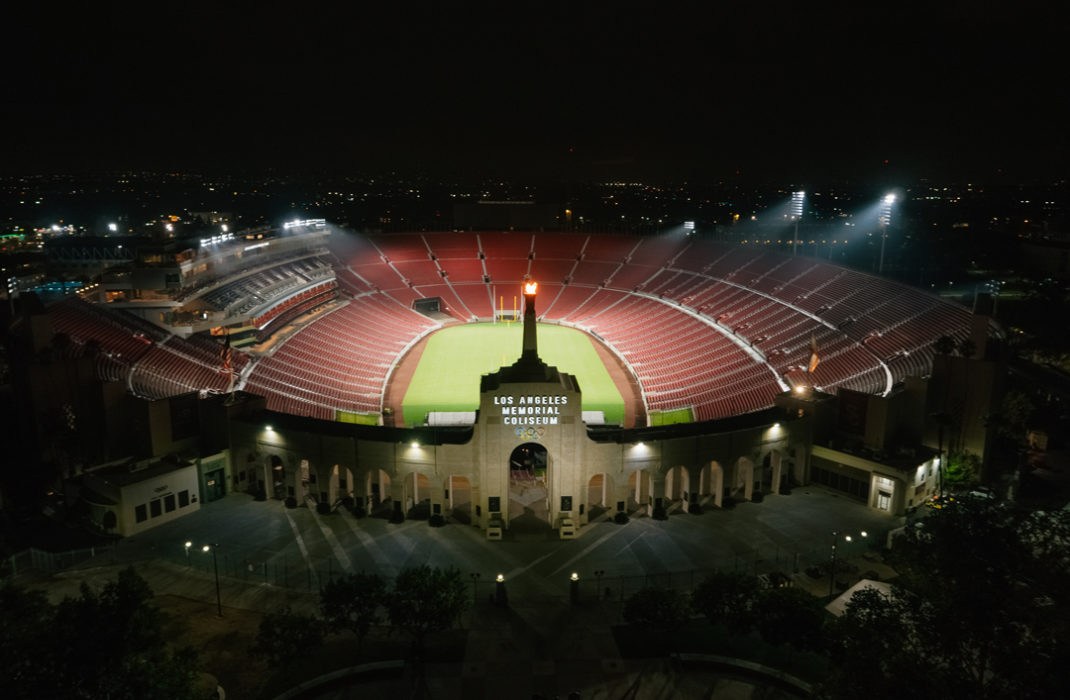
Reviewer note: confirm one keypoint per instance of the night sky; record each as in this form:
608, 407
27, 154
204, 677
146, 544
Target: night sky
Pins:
786, 90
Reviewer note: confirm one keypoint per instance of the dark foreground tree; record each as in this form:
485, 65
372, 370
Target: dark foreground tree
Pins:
981, 611
790, 616
352, 603
99, 645
286, 636
425, 600
659, 610
727, 598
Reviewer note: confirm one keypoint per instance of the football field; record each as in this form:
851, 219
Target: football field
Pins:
447, 378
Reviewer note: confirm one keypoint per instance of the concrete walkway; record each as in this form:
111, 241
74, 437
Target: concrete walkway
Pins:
270, 556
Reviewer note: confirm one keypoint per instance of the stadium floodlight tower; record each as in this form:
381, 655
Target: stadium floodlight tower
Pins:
797, 200
885, 219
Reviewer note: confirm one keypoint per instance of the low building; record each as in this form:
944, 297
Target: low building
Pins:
129, 497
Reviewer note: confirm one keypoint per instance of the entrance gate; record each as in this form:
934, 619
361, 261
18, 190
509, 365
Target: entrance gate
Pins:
529, 488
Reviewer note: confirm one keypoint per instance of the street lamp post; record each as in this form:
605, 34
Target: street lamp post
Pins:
797, 199
188, 545
499, 591
215, 566
886, 218
832, 562
574, 588
475, 581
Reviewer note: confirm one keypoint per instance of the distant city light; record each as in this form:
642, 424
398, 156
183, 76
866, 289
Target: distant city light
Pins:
113, 227
689, 225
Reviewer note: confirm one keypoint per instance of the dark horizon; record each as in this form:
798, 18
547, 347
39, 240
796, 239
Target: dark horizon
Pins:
777, 91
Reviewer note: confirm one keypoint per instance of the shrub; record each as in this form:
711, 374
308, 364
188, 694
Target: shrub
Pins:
290, 502
695, 509
436, 520
620, 518
323, 508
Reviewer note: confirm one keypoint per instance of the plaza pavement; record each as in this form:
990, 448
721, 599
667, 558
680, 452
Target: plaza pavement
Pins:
262, 542
541, 643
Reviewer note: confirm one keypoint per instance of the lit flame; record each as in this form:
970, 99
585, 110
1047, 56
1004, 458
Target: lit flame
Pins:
530, 287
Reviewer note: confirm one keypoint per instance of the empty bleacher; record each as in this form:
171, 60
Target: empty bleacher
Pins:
677, 309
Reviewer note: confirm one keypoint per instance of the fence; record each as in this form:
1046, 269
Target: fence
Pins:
51, 562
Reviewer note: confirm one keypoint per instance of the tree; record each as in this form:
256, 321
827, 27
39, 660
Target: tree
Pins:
789, 616
944, 345
425, 600
962, 469
285, 636
980, 613
662, 610
99, 645
726, 598
352, 603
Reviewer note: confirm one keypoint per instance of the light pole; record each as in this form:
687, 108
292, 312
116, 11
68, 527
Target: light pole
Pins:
886, 218
832, 562
499, 591
797, 199
215, 566
475, 581
574, 588
188, 545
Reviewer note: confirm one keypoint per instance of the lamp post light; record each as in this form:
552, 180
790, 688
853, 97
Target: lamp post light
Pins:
500, 596
475, 580
215, 566
832, 562
188, 545
885, 219
797, 199
574, 588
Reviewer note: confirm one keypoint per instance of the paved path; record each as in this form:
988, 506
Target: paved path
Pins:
298, 548
540, 644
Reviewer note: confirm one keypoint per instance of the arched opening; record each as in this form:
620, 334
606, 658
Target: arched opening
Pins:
529, 493
742, 487
459, 498
711, 484
678, 485
277, 477
417, 488
640, 484
599, 495
378, 493
763, 474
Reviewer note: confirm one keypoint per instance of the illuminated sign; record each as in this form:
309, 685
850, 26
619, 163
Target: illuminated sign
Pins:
531, 409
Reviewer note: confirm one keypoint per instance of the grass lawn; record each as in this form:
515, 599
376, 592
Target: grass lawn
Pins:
447, 378
678, 415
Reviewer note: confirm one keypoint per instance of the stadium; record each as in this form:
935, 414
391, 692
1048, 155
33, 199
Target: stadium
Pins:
691, 356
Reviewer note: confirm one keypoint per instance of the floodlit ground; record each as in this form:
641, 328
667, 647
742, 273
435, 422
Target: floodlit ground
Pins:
447, 378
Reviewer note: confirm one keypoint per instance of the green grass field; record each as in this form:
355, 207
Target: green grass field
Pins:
676, 415
447, 378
